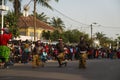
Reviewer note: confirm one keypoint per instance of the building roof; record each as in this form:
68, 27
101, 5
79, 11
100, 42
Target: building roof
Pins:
29, 22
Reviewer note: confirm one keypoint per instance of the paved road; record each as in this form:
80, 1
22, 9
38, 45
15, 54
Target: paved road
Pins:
96, 70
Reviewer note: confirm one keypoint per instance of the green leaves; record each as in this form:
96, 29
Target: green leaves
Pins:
57, 23
45, 3
70, 36
11, 21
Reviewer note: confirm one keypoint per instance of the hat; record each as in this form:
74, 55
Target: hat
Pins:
6, 30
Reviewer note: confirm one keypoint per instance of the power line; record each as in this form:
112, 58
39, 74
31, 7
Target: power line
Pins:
83, 23
110, 27
70, 17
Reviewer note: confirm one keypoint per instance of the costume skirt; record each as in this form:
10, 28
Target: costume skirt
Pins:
4, 52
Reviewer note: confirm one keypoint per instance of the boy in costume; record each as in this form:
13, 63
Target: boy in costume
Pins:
61, 54
82, 47
36, 55
4, 49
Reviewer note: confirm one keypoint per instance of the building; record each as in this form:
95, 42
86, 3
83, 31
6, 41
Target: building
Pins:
26, 27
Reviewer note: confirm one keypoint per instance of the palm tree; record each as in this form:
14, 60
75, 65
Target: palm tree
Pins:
102, 38
17, 6
11, 22
99, 35
57, 23
45, 3
42, 17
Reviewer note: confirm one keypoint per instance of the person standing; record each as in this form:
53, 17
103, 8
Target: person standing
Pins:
61, 54
4, 49
36, 61
43, 55
82, 47
26, 53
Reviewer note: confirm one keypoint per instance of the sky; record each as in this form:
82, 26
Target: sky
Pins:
80, 14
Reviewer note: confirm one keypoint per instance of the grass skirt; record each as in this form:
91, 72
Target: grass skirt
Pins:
4, 52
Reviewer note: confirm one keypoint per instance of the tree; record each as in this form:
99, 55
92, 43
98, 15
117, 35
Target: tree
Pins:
72, 36
11, 22
57, 23
55, 35
99, 35
46, 35
45, 3
42, 17
17, 6
104, 41
12, 17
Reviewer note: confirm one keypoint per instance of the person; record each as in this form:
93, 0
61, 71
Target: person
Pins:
44, 55
61, 54
26, 53
82, 47
4, 49
118, 53
36, 61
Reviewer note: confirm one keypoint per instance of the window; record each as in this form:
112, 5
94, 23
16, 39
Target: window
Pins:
31, 34
23, 33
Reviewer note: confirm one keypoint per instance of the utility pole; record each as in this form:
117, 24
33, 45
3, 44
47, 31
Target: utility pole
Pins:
3, 8
2, 14
34, 20
91, 30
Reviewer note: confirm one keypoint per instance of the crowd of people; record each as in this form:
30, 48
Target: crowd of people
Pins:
23, 52
38, 52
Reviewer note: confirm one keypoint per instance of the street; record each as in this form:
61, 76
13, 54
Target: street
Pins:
97, 69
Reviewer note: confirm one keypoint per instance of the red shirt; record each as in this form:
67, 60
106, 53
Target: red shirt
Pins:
4, 38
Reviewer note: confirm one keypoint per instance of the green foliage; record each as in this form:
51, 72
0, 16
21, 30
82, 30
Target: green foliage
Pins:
104, 41
42, 17
46, 35
70, 36
57, 23
55, 35
16, 6
74, 35
45, 3
11, 22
